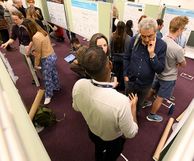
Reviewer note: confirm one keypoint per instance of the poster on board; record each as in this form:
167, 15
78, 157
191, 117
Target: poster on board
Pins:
170, 13
133, 11
84, 18
57, 12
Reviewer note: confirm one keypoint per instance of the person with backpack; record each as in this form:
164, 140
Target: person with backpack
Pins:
145, 57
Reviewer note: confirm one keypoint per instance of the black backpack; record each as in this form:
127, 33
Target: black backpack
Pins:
44, 117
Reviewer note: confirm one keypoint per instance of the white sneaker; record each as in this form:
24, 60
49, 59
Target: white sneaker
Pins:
47, 100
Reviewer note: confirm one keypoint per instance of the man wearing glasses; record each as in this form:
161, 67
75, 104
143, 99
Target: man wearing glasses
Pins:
145, 57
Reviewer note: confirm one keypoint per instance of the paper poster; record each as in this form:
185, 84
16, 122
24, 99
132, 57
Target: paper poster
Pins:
84, 18
57, 12
133, 11
170, 13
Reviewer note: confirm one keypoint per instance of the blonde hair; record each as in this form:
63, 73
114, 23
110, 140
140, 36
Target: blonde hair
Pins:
177, 23
31, 13
115, 12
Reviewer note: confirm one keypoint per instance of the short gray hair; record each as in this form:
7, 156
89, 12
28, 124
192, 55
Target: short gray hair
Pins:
148, 23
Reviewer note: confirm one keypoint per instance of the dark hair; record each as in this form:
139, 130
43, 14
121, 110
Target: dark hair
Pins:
118, 38
74, 40
142, 17
160, 22
94, 39
129, 25
94, 61
80, 52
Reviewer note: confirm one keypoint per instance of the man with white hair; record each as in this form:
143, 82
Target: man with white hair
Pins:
145, 57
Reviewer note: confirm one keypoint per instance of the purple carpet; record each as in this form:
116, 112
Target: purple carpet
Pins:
68, 139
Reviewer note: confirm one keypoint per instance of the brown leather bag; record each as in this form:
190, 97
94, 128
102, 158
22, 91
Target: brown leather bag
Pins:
3, 24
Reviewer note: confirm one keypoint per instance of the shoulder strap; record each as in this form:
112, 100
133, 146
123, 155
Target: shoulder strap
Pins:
136, 41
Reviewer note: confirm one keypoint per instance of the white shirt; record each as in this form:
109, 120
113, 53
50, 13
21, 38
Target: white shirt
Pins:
106, 111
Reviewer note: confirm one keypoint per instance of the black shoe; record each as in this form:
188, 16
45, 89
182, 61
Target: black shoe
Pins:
33, 81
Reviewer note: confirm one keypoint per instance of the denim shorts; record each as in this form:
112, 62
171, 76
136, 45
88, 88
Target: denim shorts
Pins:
163, 88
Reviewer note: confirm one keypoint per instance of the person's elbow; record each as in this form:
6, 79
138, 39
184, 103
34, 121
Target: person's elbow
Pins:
132, 132
183, 64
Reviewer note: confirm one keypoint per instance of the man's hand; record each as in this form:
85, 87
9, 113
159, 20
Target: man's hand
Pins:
151, 48
133, 98
126, 78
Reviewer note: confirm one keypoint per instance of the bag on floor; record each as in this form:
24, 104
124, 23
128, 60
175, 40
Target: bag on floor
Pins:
45, 117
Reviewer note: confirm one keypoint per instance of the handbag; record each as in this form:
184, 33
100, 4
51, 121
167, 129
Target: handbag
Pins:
3, 24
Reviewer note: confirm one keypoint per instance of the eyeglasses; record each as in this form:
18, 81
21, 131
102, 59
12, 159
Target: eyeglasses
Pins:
147, 36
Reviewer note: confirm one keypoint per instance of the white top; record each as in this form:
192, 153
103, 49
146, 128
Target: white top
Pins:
174, 55
106, 111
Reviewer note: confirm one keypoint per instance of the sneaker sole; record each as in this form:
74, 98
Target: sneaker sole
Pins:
153, 120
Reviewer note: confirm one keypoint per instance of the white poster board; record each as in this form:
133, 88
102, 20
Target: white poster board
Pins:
133, 11
57, 13
170, 13
84, 18
178, 126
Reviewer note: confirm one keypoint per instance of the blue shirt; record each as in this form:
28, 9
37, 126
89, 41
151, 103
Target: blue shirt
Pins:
159, 34
138, 66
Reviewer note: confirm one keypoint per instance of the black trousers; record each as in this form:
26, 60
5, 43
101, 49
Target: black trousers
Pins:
107, 150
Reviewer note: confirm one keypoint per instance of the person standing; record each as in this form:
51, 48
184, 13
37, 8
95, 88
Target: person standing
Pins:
160, 23
18, 7
98, 39
165, 82
31, 4
129, 26
119, 42
18, 31
110, 115
45, 59
145, 57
